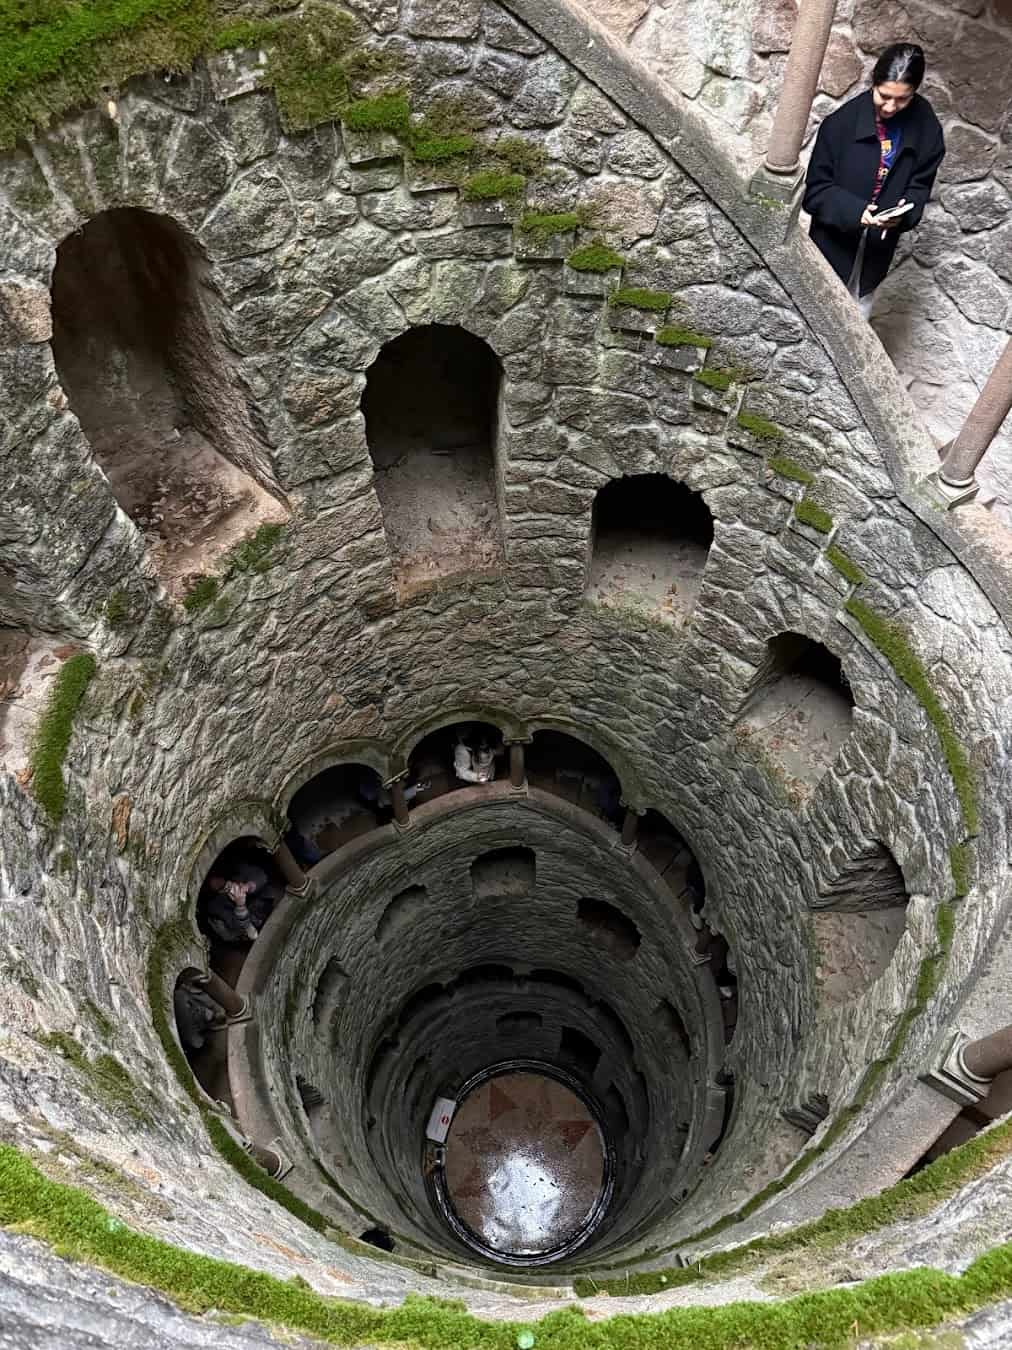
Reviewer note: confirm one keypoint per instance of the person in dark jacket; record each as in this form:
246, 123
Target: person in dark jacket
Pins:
880, 150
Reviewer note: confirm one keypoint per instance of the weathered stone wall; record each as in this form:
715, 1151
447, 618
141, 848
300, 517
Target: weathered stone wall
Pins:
946, 310
195, 721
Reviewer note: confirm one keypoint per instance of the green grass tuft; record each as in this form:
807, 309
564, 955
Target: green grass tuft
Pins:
595, 257
961, 866
52, 735
759, 427
83, 1231
201, 593
109, 1081
638, 297
493, 185
895, 646
790, 469
251, 33
255, 552
519, 155
845, 565
681, 337
809, 514
719, 381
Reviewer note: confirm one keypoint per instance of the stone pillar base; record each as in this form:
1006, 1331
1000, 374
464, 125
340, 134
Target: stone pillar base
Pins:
953, 1079
245, 1013
779, 187
946, 495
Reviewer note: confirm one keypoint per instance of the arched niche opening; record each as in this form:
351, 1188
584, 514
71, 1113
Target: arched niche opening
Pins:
337, 805
431, 414
237, 897
669, 854
503, 871
456, 756
559, 763
858, 921
650, 538
200, 1027
608, 928
331, 991
136, 342
401, 914
799, 707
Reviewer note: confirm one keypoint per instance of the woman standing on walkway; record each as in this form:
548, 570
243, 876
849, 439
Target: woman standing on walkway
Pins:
878, 152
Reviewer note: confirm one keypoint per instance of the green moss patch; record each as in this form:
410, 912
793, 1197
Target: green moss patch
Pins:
542, 225
719, 381
961, 865
201, 593
108, 1080
390, 113
809, 514
52, 736
493, 185
638, 297
255, 553
519, 155
82, 1230
895, 646
117, 609
845, 565
790, 469
595, 257
759, 427
681, 337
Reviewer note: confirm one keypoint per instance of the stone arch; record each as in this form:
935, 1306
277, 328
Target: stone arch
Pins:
335, 796
137, 348
370, 753
431, 412
650, 538
506, 723
249, 819
593, 741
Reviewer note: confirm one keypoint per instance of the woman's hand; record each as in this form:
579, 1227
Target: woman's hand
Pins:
869, 214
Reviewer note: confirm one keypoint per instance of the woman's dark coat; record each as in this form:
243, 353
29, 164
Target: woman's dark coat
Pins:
841, 180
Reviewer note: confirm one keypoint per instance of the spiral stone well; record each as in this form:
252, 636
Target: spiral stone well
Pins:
322, 446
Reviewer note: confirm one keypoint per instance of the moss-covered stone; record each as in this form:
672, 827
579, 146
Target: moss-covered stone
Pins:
596, 257
200, 594
682, 337
759, 427
493, 185
813, 515
790, 469
895, 646
718, 380
638, 297
542, 225
845, 565
52, 735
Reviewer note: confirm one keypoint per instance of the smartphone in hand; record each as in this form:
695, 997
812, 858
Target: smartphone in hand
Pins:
892, 213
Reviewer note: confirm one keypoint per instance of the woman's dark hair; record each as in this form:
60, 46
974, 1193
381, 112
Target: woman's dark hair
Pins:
902, 63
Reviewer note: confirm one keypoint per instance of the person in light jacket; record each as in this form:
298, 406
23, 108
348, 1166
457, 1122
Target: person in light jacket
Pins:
880, 150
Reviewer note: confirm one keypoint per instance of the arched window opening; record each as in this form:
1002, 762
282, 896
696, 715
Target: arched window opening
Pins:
567, 767
670, 1020
402, 913
457, 756
379, 1238
799, 707
650, 538
858, 921
430, 408
609, 928
336, 806
199, 1020
135, 340
240, 891
713, 947
504, 871
424, 1000
578, 1052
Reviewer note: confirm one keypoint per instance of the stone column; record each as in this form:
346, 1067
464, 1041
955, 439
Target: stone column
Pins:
956, 476
630, 825
781, 168
518, 773
296, 880
989, 1056
235, 1006
399, 802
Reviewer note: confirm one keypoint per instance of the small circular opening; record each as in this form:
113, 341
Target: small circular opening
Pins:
526, 1172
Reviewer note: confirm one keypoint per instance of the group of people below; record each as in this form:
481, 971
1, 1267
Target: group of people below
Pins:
871, 172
